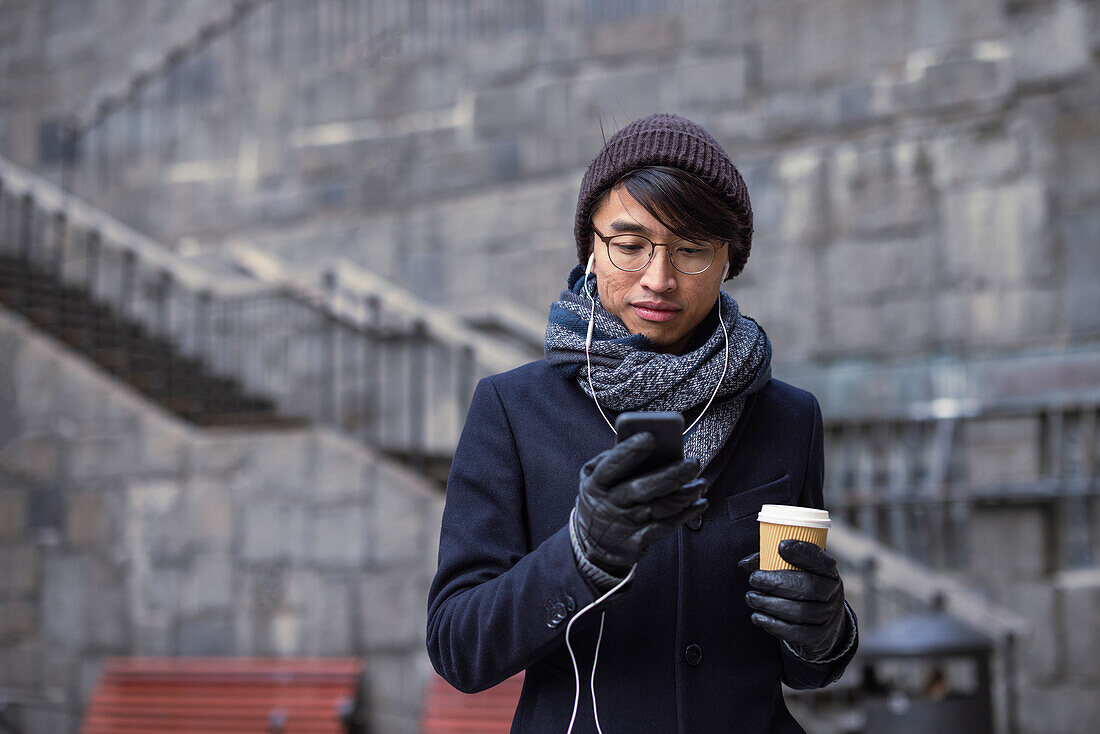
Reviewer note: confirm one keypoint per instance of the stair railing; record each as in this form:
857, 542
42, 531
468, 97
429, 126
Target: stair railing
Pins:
348, 350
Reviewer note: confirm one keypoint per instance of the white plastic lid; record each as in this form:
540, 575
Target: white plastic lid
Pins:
806, 517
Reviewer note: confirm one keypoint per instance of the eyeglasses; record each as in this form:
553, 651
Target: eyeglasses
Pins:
632, 252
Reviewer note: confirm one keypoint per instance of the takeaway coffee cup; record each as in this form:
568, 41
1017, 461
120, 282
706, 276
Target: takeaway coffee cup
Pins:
780, 522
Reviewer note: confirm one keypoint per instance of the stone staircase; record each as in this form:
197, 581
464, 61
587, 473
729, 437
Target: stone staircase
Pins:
126, 349
248, 339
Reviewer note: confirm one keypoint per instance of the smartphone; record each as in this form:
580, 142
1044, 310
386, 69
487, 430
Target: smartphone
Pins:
666, 426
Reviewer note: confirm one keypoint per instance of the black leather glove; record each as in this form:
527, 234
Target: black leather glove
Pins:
619, 514
805, 608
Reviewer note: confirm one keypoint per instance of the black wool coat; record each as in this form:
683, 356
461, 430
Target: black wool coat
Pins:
678, 653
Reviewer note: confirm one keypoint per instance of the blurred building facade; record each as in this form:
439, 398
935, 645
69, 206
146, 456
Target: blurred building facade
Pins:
926, 256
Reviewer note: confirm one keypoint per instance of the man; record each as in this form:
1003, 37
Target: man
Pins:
545, 514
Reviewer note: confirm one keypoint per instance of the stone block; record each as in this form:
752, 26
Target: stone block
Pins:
37, 456
786, 298
36, 375
163, 447
210, 514
507, 109
337, 535
872, 271
328, 618
1080, 235
616, 35
1050, 42
22, 565
273, 531
620, 95
857, 103
1001, 450
1042, 645
952, 312
153, 635
794, 114
782, 62
713, 83
208, 585
1065, 709
709, 29
869, 51
1079, 606
395, 687
285, 633
156, 518
888, 327
802, 173
22, 663
206, 637
997, 235
65, 601
395, 530
975, 157
878, 189
220, 454
499, 62
157, 593
1007, 316
281, 461
13, 514
263, 592
854, 328
108, 613
935, 23
336, 472
766, 189
106, 455
979, 79
1078, 160
39, 721
88, 518
392, 610
18, 620
1008, 545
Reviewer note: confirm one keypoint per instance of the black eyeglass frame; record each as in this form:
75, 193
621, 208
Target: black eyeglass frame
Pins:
652, 250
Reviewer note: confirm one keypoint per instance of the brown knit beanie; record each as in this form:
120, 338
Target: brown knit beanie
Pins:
666, 140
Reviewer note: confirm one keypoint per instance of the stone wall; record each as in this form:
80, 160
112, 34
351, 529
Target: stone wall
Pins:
126, 532
923, 172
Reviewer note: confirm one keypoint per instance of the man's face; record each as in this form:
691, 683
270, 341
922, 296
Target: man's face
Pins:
657, 301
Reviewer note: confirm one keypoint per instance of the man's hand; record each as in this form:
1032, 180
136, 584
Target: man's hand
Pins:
805, 608
620, 514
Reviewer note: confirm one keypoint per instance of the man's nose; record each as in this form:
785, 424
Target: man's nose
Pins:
659, 275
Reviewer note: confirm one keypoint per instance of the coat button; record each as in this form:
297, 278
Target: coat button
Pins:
556, 614
695, 523
693, 654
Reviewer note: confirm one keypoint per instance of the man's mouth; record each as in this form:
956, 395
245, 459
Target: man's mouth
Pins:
655, 310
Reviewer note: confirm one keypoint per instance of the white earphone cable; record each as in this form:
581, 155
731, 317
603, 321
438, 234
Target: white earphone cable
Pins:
595, 657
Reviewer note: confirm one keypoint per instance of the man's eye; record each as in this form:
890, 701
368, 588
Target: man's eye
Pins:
691, 251
628, 248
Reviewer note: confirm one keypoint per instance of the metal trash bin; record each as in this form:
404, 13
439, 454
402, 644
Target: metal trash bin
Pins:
950, 660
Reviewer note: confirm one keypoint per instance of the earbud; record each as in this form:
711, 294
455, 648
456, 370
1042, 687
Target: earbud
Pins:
592, 259
725, 270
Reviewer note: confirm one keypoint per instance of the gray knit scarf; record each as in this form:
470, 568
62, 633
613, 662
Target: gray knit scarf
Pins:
629, 374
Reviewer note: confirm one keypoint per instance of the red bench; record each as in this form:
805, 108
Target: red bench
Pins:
450, 711
222, 695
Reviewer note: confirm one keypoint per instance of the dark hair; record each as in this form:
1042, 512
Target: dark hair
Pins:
687, 205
